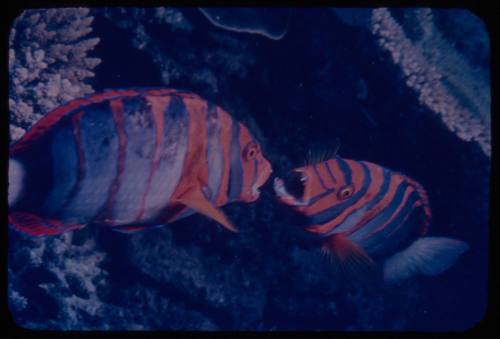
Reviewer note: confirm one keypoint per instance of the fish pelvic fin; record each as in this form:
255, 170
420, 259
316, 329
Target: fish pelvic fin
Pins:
427, 255
348, 259
196, 200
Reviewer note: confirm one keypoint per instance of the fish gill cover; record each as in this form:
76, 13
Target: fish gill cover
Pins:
402, 88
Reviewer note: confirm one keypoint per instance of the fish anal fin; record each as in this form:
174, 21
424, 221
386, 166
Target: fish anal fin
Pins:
348, 259
130, 229
196, 200
36, 226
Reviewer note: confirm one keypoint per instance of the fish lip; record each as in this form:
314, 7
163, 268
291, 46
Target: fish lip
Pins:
284, 196
254, 192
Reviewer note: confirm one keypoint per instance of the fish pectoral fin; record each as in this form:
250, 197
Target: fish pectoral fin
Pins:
348, 259
196, 200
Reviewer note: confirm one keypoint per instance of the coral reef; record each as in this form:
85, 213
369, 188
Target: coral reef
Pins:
48, 63
444, 80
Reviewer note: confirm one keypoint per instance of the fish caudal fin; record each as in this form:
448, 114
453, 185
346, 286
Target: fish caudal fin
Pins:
197, 201
348, 259
427, 255
33, 225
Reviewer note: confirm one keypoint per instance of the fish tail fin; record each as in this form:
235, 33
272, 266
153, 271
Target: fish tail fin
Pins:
16, 180
36, 226
428, 255
349, 260
425, 203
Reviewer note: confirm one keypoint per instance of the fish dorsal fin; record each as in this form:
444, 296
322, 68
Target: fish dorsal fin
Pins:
54, 116
348, 259
195, 199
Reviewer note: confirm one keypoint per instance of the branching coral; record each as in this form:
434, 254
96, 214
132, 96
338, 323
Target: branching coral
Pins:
444, 80
48, 63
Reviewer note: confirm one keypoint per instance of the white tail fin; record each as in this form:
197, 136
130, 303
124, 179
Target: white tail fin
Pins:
16, 176
428, 255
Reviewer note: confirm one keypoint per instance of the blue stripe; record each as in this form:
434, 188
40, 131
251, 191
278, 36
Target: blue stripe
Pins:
235, 171
382, 217
380, 242
140, 131
215, 157
319, 196
346, 170
99, 144
355, 215
333, 212
65, 164
330, 172
319, 177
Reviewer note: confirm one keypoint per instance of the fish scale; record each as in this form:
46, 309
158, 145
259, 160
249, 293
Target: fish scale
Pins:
363, 212
132, 160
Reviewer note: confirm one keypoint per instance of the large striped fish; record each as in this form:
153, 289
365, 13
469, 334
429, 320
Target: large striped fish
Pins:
367, 214
132, 160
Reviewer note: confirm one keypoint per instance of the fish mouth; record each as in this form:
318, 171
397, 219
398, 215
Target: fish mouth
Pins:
254, 192
290, 190
255, 188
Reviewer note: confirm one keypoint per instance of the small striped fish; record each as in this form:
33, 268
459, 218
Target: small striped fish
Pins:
366, 213
132, 160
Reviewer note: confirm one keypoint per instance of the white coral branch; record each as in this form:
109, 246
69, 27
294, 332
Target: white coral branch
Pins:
430, 65
48, 62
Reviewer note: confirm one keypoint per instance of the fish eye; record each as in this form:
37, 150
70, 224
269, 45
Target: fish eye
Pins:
250, 151
345, 192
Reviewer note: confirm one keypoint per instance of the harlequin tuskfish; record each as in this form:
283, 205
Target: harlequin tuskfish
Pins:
132, 160
366, 214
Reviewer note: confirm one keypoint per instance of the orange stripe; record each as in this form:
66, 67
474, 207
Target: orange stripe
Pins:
226, 125
325, 203
246, 166
408, 191
395, 180
425, 202
377, 176
158, 106
192, 170
339, 175
325, 176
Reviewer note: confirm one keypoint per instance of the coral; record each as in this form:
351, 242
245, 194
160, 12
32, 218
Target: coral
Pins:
48, 62
60, 283
67, 272
442, 77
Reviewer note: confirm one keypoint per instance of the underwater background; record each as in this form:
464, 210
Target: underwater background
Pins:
408, 89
